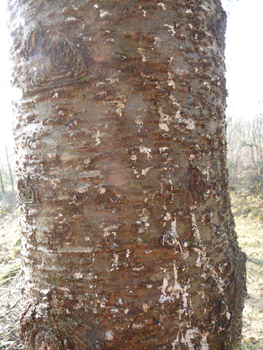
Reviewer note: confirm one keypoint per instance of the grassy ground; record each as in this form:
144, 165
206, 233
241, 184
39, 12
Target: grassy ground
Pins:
9, 273
248, 213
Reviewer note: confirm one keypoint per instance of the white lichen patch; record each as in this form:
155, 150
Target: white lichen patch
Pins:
133, 157
171, 29
203, 261
170, 60
104, 13
195, 227
164, 120
173, 228
78, 275
143, 222
157, 40
145, 171
204, 344
111, 40
198, 261
228, 315
110, 230
175, 103
163, 126
163, 149
114, 310
139, 122
114, 75
184, 298
128, 253
137, 269
87, 161
45, 291
204, 8
162, 5
97, 137
120, 105
137, 326
170, 81
189, 336
102, 189
115, 262
83, 189
175, 289
143, 11
102, 304
145, 307
135, 172
190, 124
171, 237
197, 106
142, 53
164, 286
167, 216
182, 72
185, 254
175, 342
207, 86
70, 18
191, 156
109, 335
146, 151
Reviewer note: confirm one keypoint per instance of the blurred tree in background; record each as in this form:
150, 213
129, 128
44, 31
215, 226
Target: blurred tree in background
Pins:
245, 155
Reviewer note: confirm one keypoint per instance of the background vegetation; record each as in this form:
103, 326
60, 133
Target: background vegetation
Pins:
245, 164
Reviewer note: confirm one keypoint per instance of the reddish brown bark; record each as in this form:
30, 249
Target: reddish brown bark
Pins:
128, 236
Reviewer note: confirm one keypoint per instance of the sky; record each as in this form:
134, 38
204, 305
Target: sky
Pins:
5, 111
244, 57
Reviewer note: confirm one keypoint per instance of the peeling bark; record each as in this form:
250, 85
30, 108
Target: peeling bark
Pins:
128, 237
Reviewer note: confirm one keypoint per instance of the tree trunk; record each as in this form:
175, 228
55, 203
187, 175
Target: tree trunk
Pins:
128, 237
9, 168
2, 183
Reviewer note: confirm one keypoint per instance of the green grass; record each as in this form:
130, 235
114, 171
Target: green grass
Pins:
252, 345
86, 78
8, 271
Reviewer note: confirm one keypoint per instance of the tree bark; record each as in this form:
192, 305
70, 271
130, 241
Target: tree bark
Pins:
128, 237
2, 183
9, 168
